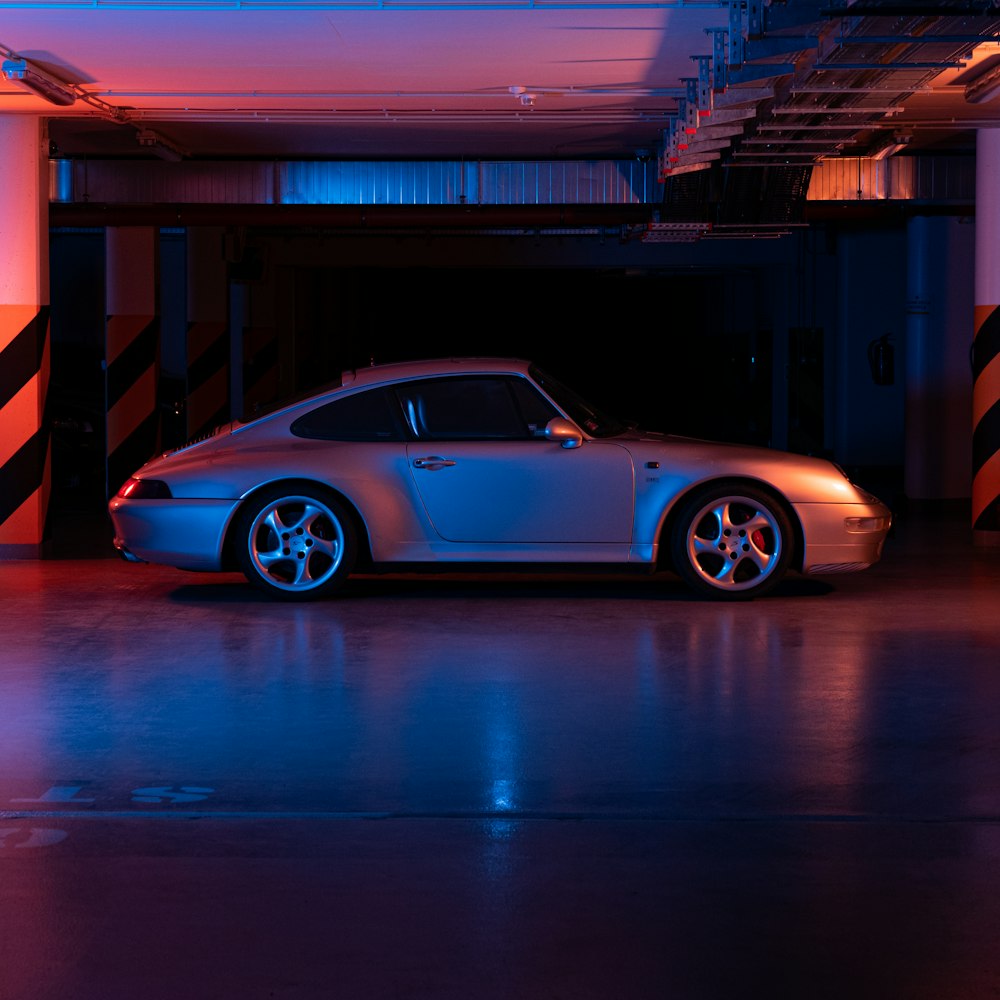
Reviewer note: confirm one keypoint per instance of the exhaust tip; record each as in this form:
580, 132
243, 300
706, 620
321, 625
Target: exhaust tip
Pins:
125, 554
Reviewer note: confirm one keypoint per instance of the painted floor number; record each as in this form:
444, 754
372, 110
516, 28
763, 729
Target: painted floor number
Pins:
22, 837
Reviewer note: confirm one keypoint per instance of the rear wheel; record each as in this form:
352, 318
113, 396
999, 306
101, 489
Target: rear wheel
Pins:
732, 541
296, 544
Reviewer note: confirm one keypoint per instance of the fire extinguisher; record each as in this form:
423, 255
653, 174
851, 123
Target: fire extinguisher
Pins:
882, 360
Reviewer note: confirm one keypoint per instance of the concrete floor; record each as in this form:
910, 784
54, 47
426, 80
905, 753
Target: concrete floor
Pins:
503, 787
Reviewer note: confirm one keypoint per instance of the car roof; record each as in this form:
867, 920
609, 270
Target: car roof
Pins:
396, 370
381, 374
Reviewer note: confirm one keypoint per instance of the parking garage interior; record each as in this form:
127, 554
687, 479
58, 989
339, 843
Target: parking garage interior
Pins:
770, 224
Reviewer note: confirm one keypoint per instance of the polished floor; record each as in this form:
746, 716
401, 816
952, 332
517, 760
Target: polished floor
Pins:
508, 787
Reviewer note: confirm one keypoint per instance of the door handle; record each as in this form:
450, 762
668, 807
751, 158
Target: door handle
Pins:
432, 462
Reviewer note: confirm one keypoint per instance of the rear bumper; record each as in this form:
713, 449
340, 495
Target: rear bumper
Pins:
188, 534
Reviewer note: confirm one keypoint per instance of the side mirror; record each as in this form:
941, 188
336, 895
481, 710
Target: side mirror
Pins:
564, 431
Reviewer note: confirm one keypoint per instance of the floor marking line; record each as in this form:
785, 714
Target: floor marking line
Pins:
524, 816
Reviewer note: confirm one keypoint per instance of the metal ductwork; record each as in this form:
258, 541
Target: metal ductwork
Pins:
784, 92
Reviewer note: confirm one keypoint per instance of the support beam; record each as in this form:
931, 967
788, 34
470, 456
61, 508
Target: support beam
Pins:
25, 447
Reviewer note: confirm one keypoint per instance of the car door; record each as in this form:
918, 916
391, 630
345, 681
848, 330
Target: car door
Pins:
486, 474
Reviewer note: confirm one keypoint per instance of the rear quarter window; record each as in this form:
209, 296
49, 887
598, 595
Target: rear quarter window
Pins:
365, 416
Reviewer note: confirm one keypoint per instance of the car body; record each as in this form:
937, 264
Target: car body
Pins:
473, 461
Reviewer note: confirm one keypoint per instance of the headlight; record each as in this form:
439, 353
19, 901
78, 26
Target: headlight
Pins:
145, 489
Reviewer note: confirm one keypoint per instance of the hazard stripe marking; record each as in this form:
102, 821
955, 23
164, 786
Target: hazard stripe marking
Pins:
14, 319
260, 369
207, 377
208, 405
986, 496
202, 336
25, 461
22, 477
121, 331
986, 419
24, 346
986, 345
986, 390
131, 409
133, 359
133, 374
20, 419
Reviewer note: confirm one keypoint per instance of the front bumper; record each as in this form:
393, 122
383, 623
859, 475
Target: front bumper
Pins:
843, 537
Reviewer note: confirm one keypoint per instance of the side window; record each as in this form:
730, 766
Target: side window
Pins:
470, 409
365, 416
535, 408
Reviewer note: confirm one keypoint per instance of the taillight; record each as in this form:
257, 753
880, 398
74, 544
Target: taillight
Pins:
145, 489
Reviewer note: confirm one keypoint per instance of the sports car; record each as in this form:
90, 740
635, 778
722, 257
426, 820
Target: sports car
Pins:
479, 462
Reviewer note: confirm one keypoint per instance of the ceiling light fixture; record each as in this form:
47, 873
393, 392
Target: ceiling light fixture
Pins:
160, 146
522, 94
23, 73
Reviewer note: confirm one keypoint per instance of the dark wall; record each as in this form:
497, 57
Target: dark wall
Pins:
75, 405
697, 340
658, 349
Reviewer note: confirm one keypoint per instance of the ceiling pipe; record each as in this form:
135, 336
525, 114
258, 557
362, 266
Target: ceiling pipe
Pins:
984, 88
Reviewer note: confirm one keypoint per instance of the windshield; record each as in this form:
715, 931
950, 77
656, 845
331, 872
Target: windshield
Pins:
594, 421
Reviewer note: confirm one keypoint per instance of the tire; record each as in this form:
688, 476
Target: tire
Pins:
731, 541
296, 544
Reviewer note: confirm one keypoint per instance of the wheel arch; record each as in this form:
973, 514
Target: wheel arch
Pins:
665, 561
292, 484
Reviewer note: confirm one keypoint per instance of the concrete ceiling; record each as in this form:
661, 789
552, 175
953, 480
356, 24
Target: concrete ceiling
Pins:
502, 79
363, 80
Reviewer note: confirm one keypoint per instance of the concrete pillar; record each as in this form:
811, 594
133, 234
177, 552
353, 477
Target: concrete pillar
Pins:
25, 451
132, 351
986, 347
782, 307
920, 418
938, 382
208, 354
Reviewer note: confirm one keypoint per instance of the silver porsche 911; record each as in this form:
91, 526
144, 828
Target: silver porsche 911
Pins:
485, 461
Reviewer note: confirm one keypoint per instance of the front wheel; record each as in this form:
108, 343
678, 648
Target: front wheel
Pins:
296, 544
732, 541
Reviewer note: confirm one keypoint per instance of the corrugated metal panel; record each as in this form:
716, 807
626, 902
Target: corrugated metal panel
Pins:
603, 182
945, 178
373, 183
356, 183
146, 182
940, 179
848, 179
